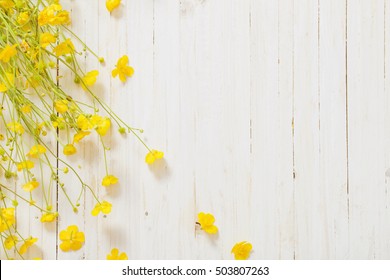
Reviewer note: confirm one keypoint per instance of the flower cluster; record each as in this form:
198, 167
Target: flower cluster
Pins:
35, 41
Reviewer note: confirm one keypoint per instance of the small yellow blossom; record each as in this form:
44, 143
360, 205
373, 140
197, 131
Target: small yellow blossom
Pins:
112, 4
53, 15
7, 53
61, 106
7, 4
10, 242
101, 124
104, 207
206, 222
116, 256
27, 164
153, 155
46, 39
122, 69
8, 83
109, 180
84, 123
23, 18
49, 217
30, 186
242, 250
16, 127
80, 135
89, 79
7, 218
69, 149
64, 48
59, 123
26, 109
72, 239
27, 244
36, 150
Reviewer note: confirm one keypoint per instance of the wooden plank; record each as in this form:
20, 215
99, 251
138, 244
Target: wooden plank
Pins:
366, 124
333, 127
271, 216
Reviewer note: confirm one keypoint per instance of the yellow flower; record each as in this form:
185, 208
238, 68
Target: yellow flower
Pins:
122, 69
104, 207
242, 250
72, 239
153, 155
116, 256
206, 222
84, 123
26, 109
36, 150
8, 83
49, 217
89, 79
7, 4
16, 127
23, 18
109, 180
64, 48
7, 218
46, 39
59, 123
53, 15
80, 135
30, 186
10, 242
61, 106
69, 149
112, 4
7, 53
27, 243
27, 164
101, 124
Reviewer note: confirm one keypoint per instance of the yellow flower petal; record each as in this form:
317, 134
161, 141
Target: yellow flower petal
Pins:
206, 222
69, 149
112, 4
122, 69
242, 250
115, 255
30, 186
109, 180
153, 155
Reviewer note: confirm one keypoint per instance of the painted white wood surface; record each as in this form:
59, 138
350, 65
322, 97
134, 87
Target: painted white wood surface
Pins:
273, 115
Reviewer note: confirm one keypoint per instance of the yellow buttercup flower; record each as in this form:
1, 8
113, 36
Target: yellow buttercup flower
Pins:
104, 207
26, 109
101, 124
30, 186
9, 82
46, 39
7, 53
23, 18
114, 255
109, 180
36, 150
69, 149
49, 217
84, 123
10, 242
206, 222
61, 106
80, 135
16, 127
64, 48
122, 69
7, 218
7, 4
89, 79
72, 239
53, 15
242, 250
27, 164
27, 244
112, 4
153, 155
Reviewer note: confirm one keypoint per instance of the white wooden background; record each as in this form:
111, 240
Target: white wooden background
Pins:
274, 115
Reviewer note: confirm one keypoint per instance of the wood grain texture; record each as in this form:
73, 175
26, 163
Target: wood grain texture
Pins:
273, 115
